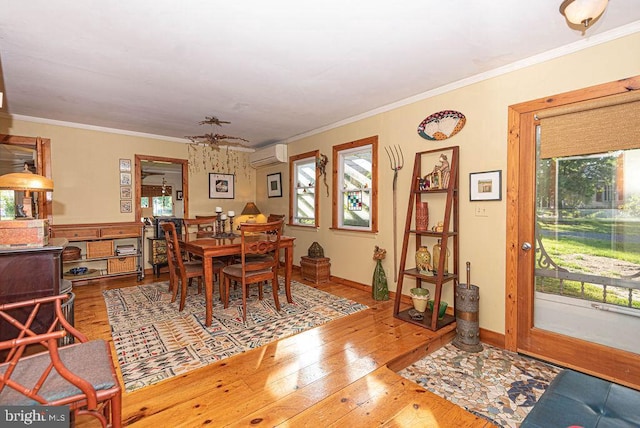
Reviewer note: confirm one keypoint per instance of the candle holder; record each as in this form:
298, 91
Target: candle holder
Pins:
220, 226
231, 234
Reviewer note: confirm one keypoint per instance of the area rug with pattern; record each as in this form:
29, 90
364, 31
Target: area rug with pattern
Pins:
154, 341
495, 384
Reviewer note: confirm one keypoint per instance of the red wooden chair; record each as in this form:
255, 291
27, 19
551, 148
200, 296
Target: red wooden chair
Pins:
37, 370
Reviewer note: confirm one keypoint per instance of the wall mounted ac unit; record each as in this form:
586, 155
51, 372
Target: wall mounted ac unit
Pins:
276, 153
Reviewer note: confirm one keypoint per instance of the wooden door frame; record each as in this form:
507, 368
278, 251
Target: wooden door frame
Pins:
519, 263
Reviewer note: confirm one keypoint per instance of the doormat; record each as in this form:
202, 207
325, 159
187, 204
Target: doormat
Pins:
155, 342
497, 385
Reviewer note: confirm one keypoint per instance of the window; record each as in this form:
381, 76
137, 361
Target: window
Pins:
303, 176
7, 204
159, 198
355, 185
162, 206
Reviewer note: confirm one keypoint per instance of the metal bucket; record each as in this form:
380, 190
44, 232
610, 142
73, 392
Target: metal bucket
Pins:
68, 312
467, 320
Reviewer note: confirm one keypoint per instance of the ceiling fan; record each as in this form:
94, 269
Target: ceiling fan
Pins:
145, 174
14, 157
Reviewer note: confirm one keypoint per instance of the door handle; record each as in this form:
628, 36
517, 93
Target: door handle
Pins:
526, 246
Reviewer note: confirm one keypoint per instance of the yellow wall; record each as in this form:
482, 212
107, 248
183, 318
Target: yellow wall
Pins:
85, 172
85, 169
483, 147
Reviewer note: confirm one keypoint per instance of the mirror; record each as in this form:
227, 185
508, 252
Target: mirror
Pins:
161, 187
15, 152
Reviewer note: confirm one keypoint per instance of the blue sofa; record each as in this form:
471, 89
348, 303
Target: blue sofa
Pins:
577, 399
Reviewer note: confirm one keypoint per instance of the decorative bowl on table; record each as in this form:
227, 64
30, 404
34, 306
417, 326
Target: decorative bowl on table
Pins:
78, 270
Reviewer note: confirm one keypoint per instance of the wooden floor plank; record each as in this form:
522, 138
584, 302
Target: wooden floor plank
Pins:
346, 400
378, 409
332, 375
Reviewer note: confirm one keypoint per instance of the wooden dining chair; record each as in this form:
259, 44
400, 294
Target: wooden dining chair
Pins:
256, 239
271, 218
276, 217
206, 224
181, 272
37, 370
205, 227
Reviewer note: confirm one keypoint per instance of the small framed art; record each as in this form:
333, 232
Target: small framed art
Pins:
221, 186
125, 179
125, 206
179, 195
485, 186
125, 165
125, 192
274, 185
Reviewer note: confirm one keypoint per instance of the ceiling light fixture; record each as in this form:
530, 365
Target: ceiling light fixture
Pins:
583, 12
215, 140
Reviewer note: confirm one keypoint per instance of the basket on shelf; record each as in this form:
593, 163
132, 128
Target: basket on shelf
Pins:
70, 253
97, 249
122, 264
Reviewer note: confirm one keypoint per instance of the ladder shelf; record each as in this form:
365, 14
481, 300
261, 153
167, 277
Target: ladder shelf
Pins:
445, 197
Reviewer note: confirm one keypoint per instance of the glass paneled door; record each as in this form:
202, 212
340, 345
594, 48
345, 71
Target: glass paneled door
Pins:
587, 246
573, 230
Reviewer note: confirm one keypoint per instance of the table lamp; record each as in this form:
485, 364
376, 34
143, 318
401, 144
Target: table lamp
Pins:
251, 210
26, 182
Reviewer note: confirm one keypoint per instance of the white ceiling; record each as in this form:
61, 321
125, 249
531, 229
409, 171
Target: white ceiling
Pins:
274, 69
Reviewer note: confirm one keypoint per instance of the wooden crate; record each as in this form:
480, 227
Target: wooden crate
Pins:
97, 249
315, 269
122, 264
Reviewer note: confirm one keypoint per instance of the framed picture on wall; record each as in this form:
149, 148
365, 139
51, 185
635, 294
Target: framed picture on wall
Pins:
274, 185
125, 192
221, 186
125, 179
125, 206
485, 186
125, 165
179, 195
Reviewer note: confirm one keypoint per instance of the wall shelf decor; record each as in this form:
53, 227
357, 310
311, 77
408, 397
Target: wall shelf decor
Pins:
441, 125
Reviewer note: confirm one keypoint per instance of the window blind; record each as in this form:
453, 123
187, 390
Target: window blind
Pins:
155, 191
595, 126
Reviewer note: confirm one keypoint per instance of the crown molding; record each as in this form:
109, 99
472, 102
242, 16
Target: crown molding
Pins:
585, 43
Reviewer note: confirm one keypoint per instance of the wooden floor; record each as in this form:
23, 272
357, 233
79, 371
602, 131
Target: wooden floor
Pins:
336, 375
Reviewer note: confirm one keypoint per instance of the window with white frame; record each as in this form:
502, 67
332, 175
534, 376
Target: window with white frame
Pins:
303, 175
355, 185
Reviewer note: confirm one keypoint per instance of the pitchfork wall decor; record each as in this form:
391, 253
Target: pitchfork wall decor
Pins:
396, 160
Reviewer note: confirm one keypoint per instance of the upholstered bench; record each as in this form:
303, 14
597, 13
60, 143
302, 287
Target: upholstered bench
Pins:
577, 399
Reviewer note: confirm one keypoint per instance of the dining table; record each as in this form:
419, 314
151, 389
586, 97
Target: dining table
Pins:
209, 246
